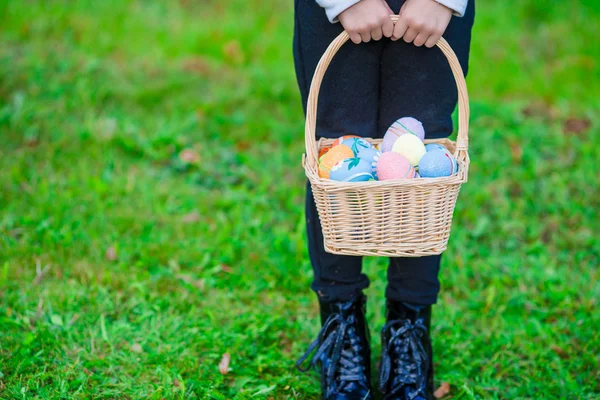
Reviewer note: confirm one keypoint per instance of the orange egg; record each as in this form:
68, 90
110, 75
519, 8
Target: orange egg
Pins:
339, 140
335, 154
324, 150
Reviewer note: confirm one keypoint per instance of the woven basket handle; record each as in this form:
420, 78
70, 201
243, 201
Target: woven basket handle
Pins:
462, 141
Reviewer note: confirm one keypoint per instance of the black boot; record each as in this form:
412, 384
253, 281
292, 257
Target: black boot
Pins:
342, 352
406, 359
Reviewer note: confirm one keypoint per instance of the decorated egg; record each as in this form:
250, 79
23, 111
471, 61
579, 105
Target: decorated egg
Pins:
437, 163
408, 125
342, 138
357, 144
434, 146
402, 127
352, 170
393, 165
324, 150
335, 154
370, 154
410, 147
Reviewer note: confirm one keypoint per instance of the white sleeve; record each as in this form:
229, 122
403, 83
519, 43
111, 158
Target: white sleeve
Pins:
458, 6
333, 8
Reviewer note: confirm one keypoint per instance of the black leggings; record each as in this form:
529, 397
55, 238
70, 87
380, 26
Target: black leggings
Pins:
366, 88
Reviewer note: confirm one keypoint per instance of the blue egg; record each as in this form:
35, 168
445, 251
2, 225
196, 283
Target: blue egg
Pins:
357, 144
434, 146
352, 170
370, 154
437, 163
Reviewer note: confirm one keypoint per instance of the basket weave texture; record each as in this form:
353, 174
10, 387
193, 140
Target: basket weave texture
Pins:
395, 218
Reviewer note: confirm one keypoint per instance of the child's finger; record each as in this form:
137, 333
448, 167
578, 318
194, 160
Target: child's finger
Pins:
355, 37
365, 36
421, 39
432, 40
376, 33
410, 35
388, 28
399, 29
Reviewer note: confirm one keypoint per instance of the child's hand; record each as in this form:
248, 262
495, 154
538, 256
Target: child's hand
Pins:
422, 22
368, 19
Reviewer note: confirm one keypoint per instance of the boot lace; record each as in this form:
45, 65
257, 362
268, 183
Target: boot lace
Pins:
405, 347
338, 349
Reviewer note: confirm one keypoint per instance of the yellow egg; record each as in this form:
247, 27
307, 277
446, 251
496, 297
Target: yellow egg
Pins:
410, 147
335, 154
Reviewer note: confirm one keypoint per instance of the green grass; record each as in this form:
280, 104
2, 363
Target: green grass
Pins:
99, 98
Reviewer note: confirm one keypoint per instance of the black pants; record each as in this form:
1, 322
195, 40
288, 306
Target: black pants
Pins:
366, 88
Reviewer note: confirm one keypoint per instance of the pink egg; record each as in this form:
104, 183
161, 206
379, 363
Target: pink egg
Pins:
393, 165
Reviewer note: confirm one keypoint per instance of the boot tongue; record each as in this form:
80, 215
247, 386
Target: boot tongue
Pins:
408, 349
403, 311
344, 308
348, 360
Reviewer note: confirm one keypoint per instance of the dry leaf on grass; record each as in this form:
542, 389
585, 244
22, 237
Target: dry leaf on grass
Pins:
176, 382
226, 268
198, 283
540, 110
40, 273
198, 65
40, 309
233, 52
560, 352
516, 152
136, 348
189, 156
224, 364
443, 390
192, 217
74, 318
576, 125
111, 254
32, 142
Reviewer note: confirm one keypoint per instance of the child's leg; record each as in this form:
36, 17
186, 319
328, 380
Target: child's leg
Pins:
414, 280
336, 277
417, 82
348, 103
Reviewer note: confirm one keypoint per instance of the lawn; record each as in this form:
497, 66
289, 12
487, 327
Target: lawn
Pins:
151, 205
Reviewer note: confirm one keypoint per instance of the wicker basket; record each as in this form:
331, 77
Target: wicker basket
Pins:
396, 218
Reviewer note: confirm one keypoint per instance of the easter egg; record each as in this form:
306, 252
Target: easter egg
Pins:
402, 127
388, 142
352, 170
408, 125
339, 140
393, 165
335, 154
434, 146
437, 163
410, 147
356, 144
324, 150
371, 155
